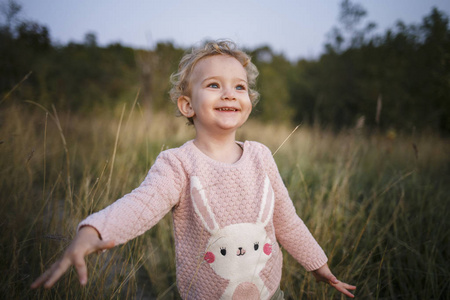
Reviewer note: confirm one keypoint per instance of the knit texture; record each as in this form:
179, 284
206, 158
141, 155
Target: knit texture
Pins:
238, 212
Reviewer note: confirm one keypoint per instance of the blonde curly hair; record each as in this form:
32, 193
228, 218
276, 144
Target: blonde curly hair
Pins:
180, 79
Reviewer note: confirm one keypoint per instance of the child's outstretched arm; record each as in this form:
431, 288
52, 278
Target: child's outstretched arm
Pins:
85, 242
324, 274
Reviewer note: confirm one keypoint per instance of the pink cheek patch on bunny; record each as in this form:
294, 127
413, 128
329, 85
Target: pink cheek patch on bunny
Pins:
209, 257
267, 249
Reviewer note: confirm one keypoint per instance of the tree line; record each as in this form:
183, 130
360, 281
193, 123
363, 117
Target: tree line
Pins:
398, 79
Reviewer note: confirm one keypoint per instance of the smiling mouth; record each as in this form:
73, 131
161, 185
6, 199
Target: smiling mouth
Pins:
226, 109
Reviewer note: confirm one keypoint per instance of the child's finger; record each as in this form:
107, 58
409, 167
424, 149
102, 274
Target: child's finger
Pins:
102, 246
106, 245
40, 280
56, 271
347, 293
344, 288
80, 266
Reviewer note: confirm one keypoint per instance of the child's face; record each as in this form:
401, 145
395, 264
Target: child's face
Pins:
219, 99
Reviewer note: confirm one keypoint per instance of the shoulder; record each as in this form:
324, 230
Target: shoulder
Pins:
259, 148
184, 158
172, 165
178, 153
263, 155
170, 159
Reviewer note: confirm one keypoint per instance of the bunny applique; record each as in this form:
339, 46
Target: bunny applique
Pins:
237, 252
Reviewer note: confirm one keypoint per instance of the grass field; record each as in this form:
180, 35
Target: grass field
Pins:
378, 204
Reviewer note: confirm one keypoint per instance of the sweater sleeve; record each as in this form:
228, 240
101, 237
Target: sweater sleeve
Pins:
138, 211
290, 230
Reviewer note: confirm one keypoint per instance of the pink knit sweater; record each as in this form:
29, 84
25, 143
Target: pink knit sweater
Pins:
228, 220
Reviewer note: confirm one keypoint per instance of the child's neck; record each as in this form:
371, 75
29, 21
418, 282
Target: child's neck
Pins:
220, 148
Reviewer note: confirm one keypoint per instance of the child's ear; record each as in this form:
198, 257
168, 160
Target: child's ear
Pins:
185, 107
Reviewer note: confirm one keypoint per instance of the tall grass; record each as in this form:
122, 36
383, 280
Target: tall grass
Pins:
377, 205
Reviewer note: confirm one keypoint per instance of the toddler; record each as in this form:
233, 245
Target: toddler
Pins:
229, 204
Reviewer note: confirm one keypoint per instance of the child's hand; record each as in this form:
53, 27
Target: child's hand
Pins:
324, 274
85, 242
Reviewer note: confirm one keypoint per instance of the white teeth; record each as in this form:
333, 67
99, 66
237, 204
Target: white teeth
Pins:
226, 109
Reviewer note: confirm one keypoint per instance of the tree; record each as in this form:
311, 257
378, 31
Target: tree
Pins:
350, 33
10, 11
275, 100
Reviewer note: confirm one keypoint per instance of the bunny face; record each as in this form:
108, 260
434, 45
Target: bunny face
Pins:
244, 246
237, 252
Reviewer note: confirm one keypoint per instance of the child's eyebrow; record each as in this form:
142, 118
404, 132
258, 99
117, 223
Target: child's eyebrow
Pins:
218, 77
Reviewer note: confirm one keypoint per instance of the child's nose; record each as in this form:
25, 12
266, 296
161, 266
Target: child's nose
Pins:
228, 94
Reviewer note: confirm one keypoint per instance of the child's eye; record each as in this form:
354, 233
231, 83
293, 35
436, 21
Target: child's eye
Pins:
241, 87
213, 85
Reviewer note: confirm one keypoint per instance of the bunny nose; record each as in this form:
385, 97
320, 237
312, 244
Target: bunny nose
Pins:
240, 252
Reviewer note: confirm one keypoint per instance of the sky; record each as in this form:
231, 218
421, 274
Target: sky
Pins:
296, 28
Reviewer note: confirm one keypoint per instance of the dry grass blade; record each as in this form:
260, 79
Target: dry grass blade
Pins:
108, 185
285, 140
15, 87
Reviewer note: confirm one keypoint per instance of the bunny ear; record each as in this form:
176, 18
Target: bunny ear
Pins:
201, 205
267, 203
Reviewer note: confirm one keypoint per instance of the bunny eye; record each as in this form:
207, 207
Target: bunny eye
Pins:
223, 251
256, 246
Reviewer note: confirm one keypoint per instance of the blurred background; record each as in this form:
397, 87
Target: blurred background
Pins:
383, 64
85, 111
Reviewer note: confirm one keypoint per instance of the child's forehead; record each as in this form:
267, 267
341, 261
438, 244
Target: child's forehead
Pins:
218, 64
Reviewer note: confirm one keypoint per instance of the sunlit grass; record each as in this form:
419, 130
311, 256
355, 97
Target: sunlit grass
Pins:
378, 205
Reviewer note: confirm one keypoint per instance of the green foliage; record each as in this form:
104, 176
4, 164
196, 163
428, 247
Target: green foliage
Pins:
408, 68
155, 69
273, 86
398, 79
